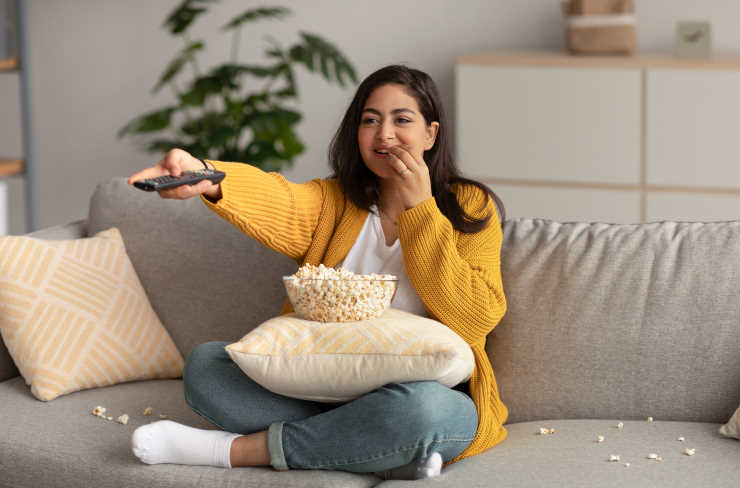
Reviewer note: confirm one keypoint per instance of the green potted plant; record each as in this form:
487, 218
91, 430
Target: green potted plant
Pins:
236, 111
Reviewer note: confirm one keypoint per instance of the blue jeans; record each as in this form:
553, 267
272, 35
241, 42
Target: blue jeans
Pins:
384, 429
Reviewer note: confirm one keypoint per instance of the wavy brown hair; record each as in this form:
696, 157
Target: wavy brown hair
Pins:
361, 185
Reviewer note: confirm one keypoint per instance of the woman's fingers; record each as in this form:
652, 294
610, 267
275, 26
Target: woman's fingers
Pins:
153, 172
183, 192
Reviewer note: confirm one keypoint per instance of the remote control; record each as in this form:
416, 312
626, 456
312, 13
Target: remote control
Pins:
186, 178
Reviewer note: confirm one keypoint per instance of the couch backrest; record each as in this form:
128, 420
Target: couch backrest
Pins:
619, 321
205, 279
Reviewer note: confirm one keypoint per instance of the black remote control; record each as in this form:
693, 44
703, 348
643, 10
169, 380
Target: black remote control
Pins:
186, 178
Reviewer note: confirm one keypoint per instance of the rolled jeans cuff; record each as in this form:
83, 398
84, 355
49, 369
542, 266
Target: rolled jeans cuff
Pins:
275, 446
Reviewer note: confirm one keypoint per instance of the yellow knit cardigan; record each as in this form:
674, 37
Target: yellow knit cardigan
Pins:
456, 275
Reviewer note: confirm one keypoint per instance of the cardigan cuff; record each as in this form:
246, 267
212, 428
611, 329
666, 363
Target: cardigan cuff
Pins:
420, 214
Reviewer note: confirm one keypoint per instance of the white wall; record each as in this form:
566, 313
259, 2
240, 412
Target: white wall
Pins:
94, 62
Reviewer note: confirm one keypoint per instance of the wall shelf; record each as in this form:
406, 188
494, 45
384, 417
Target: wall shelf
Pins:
10, 167
9, 64
23, 166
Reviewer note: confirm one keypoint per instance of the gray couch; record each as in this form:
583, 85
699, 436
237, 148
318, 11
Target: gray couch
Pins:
606, 323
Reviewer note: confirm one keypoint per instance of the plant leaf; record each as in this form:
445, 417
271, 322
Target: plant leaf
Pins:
176, 64
257, 14
313, 46
184, 14
149, 122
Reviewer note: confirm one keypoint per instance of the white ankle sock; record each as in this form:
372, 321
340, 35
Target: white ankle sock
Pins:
166, 441
421, 468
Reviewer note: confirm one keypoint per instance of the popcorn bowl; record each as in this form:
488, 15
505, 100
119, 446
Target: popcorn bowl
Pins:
340, 300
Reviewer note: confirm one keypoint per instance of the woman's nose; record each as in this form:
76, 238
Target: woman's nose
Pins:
385, 132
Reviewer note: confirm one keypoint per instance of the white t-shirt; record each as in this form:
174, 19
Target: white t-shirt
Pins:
369, 254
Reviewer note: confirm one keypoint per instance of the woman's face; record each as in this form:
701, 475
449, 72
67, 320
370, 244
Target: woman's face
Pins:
391, 117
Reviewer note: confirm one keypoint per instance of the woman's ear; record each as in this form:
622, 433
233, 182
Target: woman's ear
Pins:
431, 135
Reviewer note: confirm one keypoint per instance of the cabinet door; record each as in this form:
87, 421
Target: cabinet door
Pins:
549, 123
693, 127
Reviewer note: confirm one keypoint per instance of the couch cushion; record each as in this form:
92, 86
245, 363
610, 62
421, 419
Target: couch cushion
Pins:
73, 230
61, 444
74, 315
628, 321
571, 458
206, 280
339, 361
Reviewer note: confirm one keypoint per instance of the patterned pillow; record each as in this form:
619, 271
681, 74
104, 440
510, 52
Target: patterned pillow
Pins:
74, 315
339, 361
732, 428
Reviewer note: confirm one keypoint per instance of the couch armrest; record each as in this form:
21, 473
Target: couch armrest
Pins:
72, 230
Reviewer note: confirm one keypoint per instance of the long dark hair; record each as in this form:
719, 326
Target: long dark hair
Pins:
361, 185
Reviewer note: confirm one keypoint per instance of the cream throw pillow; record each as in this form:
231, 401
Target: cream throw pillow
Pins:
339, 361
74, 315
732, 428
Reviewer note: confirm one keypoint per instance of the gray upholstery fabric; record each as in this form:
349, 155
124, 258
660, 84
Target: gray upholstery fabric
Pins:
570, 458
206, 280
60, 444
609, 321
73, 230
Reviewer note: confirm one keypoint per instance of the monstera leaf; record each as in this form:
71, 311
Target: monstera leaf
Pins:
236, 111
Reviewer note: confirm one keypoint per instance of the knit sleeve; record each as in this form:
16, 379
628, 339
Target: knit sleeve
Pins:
457, 275
279, 214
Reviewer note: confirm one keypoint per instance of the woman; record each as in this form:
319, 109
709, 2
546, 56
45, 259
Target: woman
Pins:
395, 204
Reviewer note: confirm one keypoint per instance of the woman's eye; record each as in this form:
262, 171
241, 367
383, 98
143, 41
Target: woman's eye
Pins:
369, 120
403, 120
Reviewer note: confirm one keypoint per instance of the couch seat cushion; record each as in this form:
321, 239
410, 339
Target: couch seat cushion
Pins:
571, 457
61, 444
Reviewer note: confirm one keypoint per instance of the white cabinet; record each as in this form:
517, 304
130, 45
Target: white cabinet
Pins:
616, 139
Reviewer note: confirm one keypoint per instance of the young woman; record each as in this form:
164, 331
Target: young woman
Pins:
397, 204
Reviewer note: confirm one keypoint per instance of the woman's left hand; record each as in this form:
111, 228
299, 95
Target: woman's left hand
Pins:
412, 174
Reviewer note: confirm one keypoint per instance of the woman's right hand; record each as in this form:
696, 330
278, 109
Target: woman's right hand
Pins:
174, 163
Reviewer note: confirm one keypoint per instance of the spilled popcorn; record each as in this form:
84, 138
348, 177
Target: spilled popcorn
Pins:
689, 452
650, 419
600, 439
544, 431
123, 419
614, 458
620, 425
654, 457
148, 411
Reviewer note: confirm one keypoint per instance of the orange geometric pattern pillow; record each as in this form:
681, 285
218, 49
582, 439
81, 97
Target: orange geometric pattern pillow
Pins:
74, 315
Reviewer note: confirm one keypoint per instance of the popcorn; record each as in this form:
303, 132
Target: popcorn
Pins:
681, 439
600, 439
99, 411
650, 419
689, 452
620, 425
148, 411
543, 431
163, 416
339, 295
654, 457
614, 458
